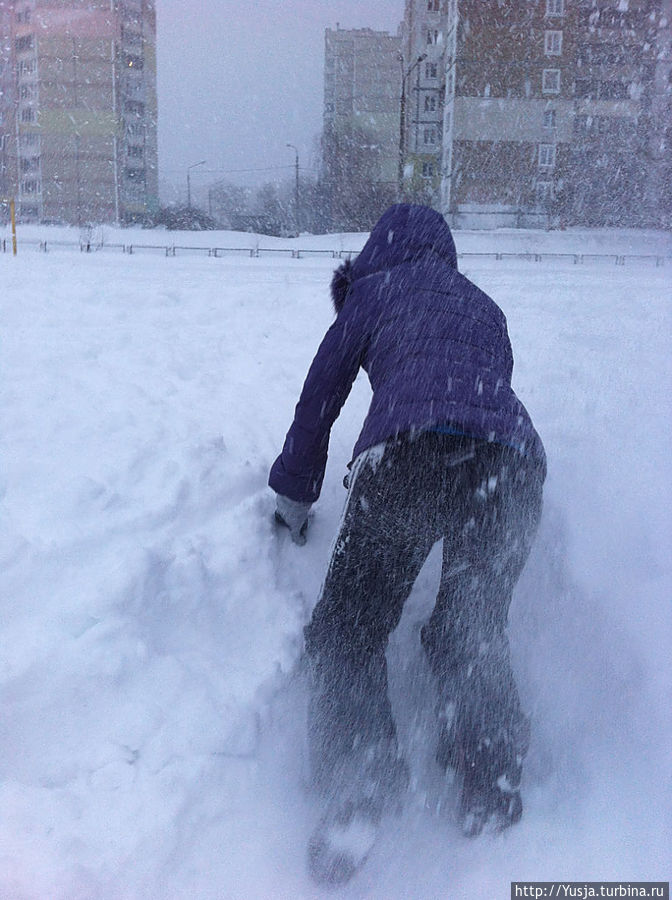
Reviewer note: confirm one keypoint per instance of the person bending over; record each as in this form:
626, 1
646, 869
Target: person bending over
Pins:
447, 452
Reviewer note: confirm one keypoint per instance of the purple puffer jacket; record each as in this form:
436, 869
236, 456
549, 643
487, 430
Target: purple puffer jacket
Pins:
434, 346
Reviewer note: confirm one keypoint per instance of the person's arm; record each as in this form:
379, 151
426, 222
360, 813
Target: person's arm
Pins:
299, 470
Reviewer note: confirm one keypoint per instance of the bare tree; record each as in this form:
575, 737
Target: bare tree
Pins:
227, 201
355, 194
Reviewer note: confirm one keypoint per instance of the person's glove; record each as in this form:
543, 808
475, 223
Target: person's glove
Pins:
294, 515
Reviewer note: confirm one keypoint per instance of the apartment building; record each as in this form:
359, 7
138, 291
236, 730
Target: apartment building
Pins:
621, 95
658, 198
424, 33
80, 125
360, 152
6, 98
490, 105
545, 109
508, 108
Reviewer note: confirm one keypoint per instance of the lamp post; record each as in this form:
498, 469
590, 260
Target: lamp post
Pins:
296, 191
189, 168
402, 118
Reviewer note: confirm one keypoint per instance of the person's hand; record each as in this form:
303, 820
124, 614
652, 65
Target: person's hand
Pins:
293, 515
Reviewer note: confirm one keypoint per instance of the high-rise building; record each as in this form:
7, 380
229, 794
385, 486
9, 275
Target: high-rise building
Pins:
508, 108
621, 87
79, 123
7, 86
360, 152
541, 109
424, 46
659, 182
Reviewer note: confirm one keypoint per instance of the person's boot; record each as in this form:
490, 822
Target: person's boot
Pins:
346, 833
490, 773
342, 841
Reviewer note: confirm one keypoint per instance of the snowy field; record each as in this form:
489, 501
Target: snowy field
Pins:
152, 731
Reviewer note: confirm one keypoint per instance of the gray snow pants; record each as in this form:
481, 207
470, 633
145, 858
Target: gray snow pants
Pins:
484, 500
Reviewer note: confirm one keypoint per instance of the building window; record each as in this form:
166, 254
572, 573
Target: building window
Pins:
584, 87
26, 67
130, 37
555, 7
23, 17
550, 83
433, 5
429, 136
27, 114
549, 118
24, 43
609, 55
546, 156
431, 70
428, 170
552, 43
613, 90
434, 36
430, 102
134, 152
29, 140
623, 127
544, 191
31, 186
134, 174
135, 192
135, 107
582, 124
133, 87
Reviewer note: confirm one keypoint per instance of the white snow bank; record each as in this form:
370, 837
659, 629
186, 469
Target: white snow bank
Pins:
498, 240
148, 605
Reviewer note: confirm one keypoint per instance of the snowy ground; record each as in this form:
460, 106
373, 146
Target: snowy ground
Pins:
152, 726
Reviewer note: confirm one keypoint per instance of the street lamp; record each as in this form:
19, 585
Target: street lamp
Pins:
296, 191
402, 117
189, 168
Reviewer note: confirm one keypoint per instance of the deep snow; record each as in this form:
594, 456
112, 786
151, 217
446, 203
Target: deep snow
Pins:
152, 726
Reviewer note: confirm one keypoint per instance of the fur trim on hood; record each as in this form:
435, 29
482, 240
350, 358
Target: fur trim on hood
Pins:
340, 285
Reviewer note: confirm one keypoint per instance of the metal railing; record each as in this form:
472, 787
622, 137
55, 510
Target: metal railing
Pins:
171, 250
175, 249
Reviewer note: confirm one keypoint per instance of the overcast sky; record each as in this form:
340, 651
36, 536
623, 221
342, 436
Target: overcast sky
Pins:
238, 81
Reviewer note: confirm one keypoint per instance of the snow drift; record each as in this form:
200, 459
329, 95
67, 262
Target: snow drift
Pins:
152, 728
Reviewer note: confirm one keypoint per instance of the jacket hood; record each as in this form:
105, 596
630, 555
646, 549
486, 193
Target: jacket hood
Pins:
405, 233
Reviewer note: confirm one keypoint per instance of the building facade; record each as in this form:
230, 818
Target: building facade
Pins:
360, 149
659, 184
620, 128
424, 34
80, 125
7, 104
538, 111
508, 108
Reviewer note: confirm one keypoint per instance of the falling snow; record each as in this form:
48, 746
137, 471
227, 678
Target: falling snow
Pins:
153, 729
